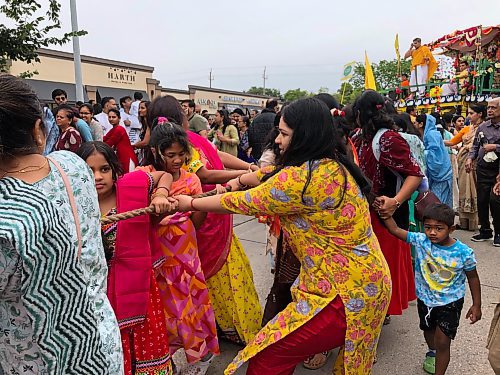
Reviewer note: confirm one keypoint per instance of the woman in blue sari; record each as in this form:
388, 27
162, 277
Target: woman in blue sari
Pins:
439, 171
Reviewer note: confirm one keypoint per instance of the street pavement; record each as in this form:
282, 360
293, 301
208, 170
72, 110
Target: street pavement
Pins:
402, 347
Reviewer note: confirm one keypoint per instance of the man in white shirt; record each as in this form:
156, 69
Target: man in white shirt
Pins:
134, 108
107, 103
131, 122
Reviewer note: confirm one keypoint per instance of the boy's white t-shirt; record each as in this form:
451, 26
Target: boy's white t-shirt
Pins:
134, 108
440, 270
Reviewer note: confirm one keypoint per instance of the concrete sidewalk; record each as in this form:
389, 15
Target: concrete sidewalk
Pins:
402, 347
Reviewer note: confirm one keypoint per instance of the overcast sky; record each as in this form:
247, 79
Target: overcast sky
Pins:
303, 43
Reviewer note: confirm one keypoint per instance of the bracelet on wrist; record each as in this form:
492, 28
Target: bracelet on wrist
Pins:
241, 184
398, 203
163, 187
158, 195
250, 166
191, 204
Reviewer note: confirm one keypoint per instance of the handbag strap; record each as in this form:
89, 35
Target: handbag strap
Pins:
72, 203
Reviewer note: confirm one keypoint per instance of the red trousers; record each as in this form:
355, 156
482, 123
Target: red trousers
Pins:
324, 332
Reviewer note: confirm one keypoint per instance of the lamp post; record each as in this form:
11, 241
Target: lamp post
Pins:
76, 52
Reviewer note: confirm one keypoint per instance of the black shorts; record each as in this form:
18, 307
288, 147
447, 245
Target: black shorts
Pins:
446, 317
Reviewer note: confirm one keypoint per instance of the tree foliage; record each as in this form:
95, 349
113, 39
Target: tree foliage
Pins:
385, 72
33, 26
295, 94
260, 91
347, 93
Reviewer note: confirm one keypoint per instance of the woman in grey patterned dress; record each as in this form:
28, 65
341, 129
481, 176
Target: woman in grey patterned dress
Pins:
54, 314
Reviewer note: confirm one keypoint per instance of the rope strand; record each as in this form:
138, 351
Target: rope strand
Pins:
146, 210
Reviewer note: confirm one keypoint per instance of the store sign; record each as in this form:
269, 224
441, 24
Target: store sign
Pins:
253, 101
234, 99
207, 102
123, 76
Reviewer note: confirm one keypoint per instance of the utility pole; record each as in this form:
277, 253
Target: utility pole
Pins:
76, 52
211, 78
264, 77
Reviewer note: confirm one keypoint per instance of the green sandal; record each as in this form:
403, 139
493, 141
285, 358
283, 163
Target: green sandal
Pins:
429, 365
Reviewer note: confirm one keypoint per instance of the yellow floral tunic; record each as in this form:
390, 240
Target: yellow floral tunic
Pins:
339, 255
232, 290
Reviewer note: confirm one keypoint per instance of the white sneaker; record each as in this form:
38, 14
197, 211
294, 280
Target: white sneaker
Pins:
198, 368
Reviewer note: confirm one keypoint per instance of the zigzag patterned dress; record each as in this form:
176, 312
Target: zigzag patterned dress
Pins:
54, 314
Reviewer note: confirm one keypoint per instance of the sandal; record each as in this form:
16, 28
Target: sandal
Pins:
312, 363
387, 320
198, 368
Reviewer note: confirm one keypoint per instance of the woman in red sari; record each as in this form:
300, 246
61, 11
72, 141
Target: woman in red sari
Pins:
132, 288
118, 139
395, 158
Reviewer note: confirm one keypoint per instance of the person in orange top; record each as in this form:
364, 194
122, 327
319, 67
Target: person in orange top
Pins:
423, 65
405, 85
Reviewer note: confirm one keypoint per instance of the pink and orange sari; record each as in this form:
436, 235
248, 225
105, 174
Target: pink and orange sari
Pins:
183, 290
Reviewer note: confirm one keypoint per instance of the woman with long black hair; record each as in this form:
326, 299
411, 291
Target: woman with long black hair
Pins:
385, 158
341, 295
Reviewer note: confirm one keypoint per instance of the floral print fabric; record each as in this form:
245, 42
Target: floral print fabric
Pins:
330, 232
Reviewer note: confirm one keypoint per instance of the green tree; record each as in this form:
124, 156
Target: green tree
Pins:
32, 28
350, 93
385, 72
323, 90
269, 91
295, 94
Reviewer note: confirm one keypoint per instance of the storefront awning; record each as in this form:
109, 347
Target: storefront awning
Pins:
102, 92
44, 89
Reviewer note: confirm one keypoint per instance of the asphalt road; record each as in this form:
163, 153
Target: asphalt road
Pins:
402, 347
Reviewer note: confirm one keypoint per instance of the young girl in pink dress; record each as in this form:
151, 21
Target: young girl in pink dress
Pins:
190, 317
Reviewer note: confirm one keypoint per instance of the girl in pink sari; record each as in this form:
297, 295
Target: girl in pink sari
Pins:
223, 260
132, 289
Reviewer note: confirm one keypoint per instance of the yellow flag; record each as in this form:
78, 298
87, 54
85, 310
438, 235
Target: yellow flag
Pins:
398, 55
396, 46
369, 77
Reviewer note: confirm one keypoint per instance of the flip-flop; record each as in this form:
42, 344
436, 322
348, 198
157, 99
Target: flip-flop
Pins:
307, 363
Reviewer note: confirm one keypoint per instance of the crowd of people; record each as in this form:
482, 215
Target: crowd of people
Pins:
360, 202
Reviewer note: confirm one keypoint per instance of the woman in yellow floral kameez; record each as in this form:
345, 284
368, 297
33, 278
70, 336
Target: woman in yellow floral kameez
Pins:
343, 290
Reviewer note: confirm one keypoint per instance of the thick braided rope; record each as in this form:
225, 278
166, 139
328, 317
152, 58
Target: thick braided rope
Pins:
147, 210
